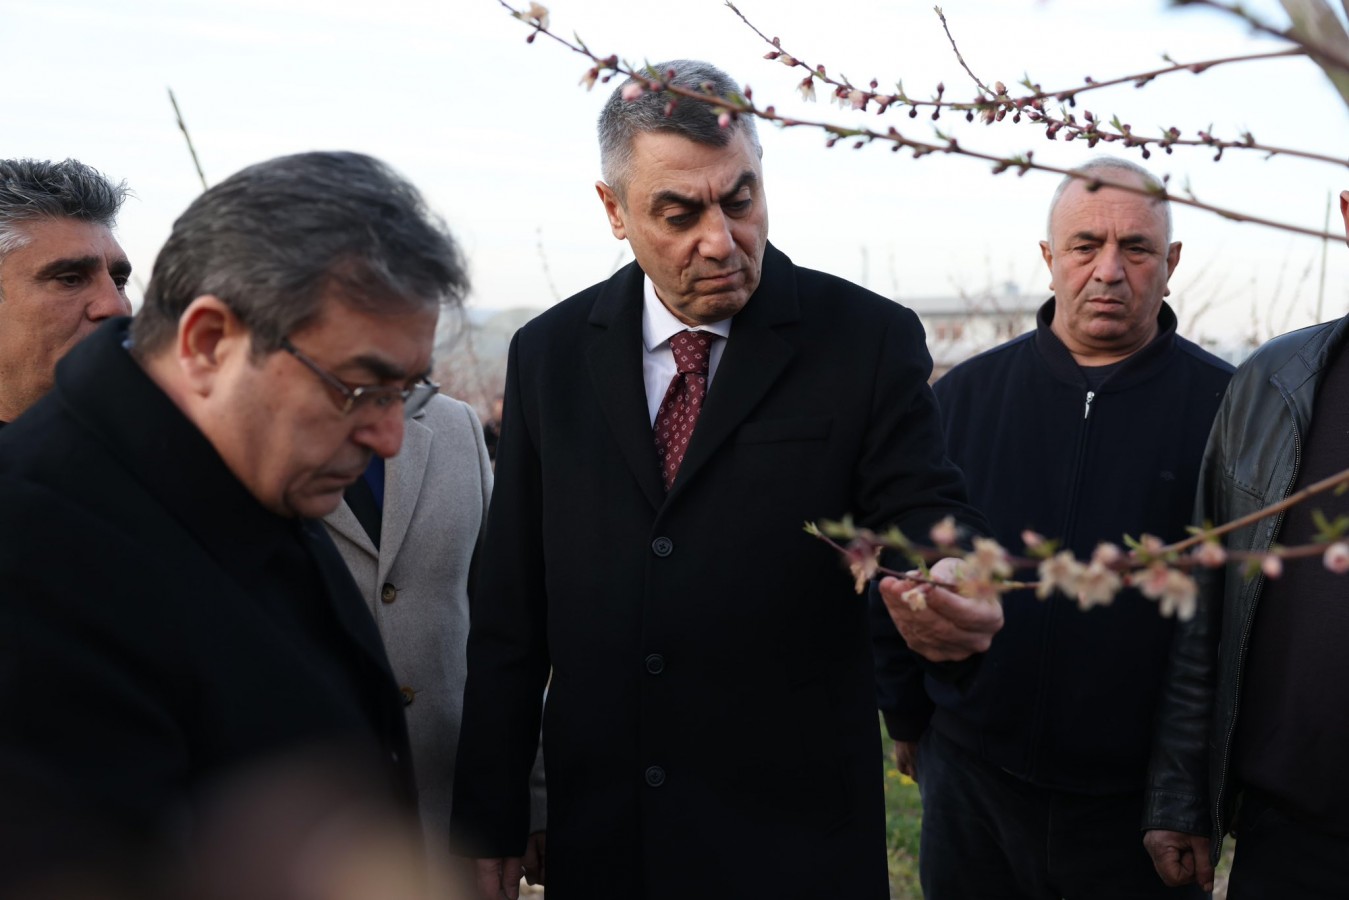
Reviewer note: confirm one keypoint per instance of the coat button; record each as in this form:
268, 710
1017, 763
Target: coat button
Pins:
408, 695
662, 547
655, 664
655, 776
388, 593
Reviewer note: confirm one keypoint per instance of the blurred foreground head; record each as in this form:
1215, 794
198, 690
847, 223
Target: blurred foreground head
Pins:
291, 316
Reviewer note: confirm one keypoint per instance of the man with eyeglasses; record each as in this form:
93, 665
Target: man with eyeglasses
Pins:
175, 626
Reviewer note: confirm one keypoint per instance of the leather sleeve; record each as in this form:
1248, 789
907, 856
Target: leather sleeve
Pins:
1177, 789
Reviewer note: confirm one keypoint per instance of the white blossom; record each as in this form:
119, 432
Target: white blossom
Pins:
944, 533
1061, 572
1336, 558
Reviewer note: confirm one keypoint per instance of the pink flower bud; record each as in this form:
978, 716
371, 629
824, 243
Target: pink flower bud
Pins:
1106, 554
724, 120
631, 91
943, 534
538, 13
1336, 558
1272, 566
1210, 554
1032, 539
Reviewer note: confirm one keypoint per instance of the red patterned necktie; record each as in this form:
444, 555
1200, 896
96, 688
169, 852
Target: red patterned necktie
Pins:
683, 401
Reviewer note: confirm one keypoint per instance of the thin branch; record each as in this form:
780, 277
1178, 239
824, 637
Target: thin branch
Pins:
737, 106
543, 262
1325, 484
1327, 56
182, 126
995, 103
959, 58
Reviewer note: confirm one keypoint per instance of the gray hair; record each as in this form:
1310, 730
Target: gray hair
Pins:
1107, 164
272, 240
622, 120
37, 189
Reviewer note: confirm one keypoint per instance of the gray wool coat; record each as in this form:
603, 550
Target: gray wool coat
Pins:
416, 586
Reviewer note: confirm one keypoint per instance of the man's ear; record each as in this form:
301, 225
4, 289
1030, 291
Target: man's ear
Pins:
613, 208
1344, 213
1048, 254
1172, 260
209, 333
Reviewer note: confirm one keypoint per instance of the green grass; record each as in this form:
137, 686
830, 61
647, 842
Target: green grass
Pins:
903, 822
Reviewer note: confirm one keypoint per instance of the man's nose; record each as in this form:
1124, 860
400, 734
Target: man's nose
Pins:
715, 240
1109, 264
384, 433
109, 299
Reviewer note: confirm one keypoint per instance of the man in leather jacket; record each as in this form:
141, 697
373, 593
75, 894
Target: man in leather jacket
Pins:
1246, 741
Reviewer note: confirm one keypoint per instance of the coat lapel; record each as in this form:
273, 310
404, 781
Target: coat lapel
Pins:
345, 597
403, 477
614, 358
756, 354
344, 522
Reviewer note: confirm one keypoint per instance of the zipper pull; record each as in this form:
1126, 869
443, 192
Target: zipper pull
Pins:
1091, 395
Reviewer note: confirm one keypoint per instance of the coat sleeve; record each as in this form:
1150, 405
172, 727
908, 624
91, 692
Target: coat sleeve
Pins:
508, 660
1177, 792
910, 482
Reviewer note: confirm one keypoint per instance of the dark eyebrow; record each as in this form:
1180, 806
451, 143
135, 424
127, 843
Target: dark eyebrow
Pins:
120, 266
381, 369
82, 264
1136, 239
665, 198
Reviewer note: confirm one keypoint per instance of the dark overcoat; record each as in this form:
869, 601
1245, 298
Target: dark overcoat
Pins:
711, 727
147, 659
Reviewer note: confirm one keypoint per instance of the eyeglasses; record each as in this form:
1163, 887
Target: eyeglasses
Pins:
369, 396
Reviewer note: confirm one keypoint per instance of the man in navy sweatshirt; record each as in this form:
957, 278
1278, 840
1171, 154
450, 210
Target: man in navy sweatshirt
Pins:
1085, 429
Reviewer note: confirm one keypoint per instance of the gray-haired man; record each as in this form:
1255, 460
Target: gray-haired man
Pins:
710, 727
61, 270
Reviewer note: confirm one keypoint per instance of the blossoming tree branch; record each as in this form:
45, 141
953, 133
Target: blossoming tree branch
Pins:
1160, 571
1314, 37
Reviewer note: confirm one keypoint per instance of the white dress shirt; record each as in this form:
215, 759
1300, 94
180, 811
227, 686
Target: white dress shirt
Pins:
658, 364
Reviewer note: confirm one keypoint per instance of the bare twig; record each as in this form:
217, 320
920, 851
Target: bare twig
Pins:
1329, 483
605, 67
182, 126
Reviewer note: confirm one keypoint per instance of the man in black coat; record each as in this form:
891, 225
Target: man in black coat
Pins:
1088, 428
710, 726
175, 628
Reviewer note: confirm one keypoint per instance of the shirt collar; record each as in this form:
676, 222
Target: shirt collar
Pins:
659, 324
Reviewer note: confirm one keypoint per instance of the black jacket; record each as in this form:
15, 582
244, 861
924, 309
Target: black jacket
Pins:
1065, 698
1251, 462
152, 643
710, 727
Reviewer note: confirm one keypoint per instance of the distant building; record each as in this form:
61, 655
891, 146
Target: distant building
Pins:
963, 325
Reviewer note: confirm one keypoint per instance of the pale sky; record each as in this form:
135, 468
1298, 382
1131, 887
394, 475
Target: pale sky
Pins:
500, 136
